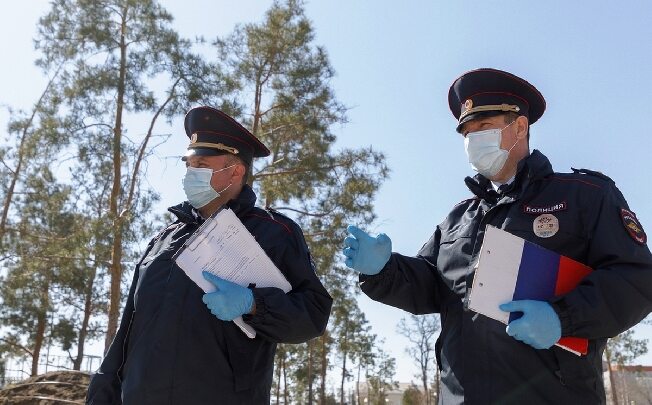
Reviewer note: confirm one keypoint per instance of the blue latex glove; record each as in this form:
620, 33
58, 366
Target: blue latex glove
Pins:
364, 253
230, 300
539, 326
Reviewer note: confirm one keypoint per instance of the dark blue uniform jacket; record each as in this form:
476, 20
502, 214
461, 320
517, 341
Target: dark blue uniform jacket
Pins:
170, 349
479, 362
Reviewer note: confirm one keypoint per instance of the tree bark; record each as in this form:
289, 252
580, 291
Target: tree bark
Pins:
437, 383
116, 248
310, 372
612, 380
285, 383
357, 384
278, 376
83, 331
322, 388
41, 322
9, 195
344, 355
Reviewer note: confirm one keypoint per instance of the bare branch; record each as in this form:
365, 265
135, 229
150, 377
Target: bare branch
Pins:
17, 346
7, 166
143, 146
317, 215
298, 170
21, 152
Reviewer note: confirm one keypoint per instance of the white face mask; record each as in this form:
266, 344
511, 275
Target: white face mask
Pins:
197, 185
484, 152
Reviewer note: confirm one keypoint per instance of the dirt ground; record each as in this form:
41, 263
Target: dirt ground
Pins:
54, 388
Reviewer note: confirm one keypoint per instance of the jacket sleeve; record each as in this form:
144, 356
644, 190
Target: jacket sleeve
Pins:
303, 312
408, 283
105, 385
617, 294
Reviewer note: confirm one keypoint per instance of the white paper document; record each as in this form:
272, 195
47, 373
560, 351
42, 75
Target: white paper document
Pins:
495, 277
224, 247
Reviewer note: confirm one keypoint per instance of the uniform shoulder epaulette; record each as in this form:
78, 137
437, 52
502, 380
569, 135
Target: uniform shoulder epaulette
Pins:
274, 216
475, 197
593, 173
275, 212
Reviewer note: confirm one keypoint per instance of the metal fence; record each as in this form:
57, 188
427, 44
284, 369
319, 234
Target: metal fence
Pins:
18, 369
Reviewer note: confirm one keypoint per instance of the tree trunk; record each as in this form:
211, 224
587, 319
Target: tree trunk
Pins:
254, 128
310, 372
279, 354
116, 250
344, 353
41, 322
322, 388
9, 194
437, 383
285, 383
424, 381
38, 341
612, 380
357, 385
83, 331
343, 378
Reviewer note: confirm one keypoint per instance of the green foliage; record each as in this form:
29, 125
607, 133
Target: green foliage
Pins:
115, 56
412, 396
284, 95
43, 245
625, 348
67, 237
380, 378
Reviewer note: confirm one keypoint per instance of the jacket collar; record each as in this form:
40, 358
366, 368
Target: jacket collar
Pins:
243, 202
534, 167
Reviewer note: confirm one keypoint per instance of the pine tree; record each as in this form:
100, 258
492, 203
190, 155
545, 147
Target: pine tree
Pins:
112, 52
36, 230
622, 350
380, 378
41, 263
284, 96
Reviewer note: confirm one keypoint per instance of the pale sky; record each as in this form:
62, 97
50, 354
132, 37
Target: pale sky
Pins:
592, 62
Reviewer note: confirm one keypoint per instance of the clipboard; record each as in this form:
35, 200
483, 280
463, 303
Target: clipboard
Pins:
223, 246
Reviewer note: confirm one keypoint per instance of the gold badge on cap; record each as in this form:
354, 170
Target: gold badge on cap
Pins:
193, 138
468, 104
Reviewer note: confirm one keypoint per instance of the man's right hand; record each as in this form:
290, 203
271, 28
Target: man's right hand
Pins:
364, 253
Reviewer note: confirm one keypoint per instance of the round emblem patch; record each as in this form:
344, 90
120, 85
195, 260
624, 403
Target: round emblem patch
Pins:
633, 227
545, 225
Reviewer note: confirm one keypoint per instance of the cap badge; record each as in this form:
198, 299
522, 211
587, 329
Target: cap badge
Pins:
468, 104
193, 138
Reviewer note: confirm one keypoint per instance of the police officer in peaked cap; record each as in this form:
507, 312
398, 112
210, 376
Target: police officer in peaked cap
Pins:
580, 215
177, 345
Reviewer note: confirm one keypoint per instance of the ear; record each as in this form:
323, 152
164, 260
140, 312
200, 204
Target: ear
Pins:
239, 172
521, 127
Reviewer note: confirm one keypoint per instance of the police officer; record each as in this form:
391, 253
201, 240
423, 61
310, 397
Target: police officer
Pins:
581, 215
175, 344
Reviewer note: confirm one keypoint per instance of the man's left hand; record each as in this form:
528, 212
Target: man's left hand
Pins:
539, 326
230, 300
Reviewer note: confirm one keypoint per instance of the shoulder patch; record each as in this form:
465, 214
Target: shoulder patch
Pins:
632, 226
